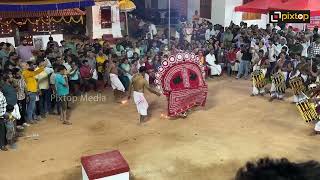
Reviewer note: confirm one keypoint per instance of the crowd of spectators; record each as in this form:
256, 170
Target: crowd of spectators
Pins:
34, 82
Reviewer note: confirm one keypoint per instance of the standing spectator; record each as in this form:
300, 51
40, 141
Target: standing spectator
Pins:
86, 73
97, 46
21, 96
3, 105
62, 91
54, 102
44, 90
305, 44
245, 62
209, 33
152, 30
29, 74
91, 59
12, 61
227, 38
51, 42
315, 47
72, 46
3, 55
25, 51
125, 66
74, 79
10, 93
196, 17
101, 60
231, 61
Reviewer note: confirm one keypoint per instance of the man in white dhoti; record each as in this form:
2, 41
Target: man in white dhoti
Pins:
138, 85
116, 84
211, 62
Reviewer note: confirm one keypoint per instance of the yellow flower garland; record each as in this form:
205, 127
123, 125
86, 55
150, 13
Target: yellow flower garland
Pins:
52, 19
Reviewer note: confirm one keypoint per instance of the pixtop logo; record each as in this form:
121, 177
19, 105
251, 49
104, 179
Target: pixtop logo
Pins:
290, 16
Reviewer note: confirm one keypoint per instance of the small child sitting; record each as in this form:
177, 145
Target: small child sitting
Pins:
10, 126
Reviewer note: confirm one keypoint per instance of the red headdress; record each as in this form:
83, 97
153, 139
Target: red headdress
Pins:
181, 79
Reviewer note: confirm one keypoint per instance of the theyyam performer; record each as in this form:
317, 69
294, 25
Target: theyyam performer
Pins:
181, 78
138, 85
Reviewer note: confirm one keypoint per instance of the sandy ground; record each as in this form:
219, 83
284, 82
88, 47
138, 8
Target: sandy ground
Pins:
212, 143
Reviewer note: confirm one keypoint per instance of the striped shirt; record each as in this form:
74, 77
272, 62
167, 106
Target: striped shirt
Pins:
3, 104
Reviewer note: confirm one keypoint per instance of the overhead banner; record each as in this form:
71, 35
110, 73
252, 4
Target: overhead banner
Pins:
314, 21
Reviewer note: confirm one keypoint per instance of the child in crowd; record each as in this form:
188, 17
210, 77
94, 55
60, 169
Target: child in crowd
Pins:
10, 126
62, 92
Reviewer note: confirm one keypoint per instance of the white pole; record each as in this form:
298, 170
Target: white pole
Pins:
169, 23
127, 23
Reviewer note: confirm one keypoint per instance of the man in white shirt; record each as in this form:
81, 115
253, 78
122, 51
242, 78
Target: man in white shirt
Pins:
211, 61
282, 44
152, 30
45, 95
272, 57
209, 33
305, 44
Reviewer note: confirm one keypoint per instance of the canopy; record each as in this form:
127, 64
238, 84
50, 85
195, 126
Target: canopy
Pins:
259, 6
126, 6
43, 5
312, 5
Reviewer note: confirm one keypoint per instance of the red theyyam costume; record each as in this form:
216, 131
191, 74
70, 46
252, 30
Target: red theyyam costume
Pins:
181, 79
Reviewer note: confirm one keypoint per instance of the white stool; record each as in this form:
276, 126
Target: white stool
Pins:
106, 166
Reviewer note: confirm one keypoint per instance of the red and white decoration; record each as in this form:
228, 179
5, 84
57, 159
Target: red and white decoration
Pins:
106, 166
181, 79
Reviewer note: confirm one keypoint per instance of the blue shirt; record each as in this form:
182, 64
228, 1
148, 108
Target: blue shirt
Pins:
60, 88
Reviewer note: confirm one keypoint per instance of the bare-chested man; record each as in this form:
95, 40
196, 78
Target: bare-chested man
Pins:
138, 85
116, 84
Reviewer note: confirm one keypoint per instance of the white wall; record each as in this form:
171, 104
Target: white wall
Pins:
45, 39
230, 14
223, 12
94, 20
193, 5
218, 11
163, 4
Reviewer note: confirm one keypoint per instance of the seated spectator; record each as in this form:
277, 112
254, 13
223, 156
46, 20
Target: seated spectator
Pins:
212, 64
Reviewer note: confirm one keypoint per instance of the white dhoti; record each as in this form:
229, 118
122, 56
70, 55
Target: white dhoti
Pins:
235, 67
300, 97
116, 83
16, 112
141, 103
273, 90
129, 76
215, 69
317, 126
147, 77
255, 90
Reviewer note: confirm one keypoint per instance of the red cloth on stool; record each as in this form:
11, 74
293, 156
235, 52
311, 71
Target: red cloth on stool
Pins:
104, 165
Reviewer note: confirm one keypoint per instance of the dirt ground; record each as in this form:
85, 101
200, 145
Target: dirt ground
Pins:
212, 143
